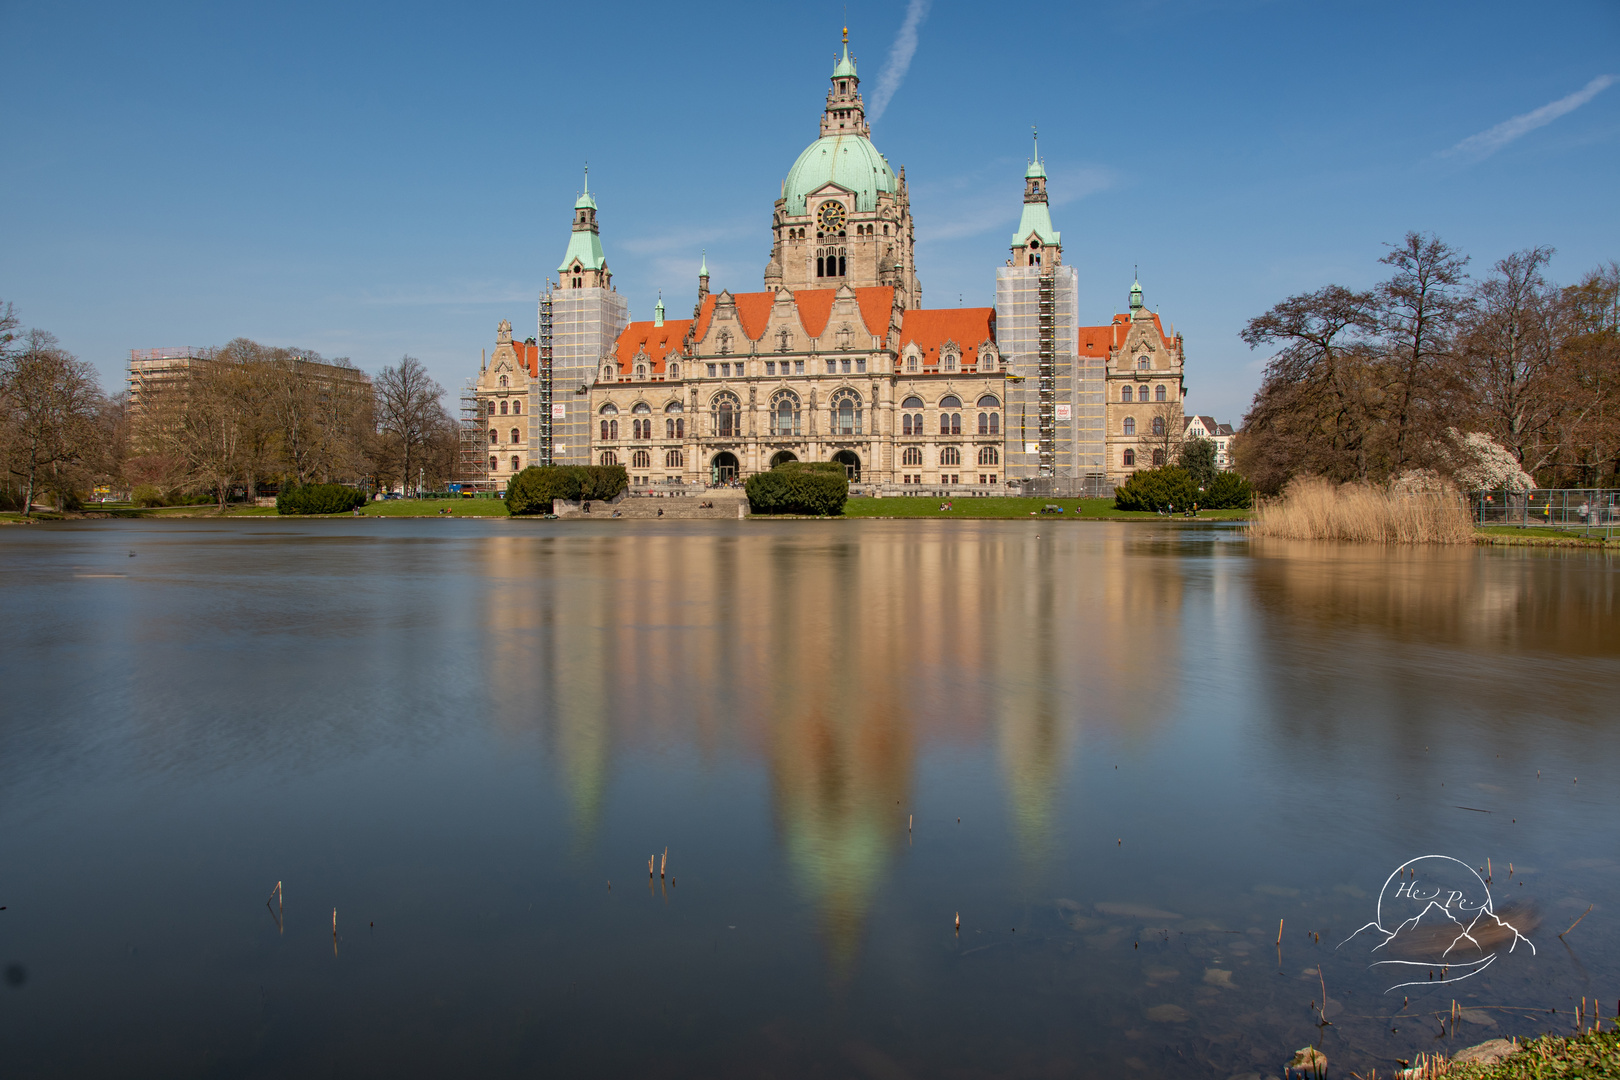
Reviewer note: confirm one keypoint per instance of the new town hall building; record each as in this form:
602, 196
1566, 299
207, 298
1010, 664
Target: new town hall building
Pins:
837, 358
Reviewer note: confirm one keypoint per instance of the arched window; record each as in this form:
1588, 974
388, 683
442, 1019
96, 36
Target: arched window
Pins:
950, 455
609, 409
492, 408
950, 401
609, 458
950, 423
1130, 459
726, 413
987, 360
988, 401
674, 371
516, 463
641, 460
515, 435
1130, 425
989, 455
503, 381
641, 371
613, 430
494, 436
785, 413
672, 459
912, 455
846, 413
948, 361
1158, 425
1158, 458
494, 463
1143, 363
1158, 392
911, 362
517, 408
1125, 395
503, 408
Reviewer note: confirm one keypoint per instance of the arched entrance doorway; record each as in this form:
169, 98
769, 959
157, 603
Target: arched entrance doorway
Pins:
782, 457
724, 468
851, 464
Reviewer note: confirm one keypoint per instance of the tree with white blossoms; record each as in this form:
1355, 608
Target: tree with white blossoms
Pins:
1480, 463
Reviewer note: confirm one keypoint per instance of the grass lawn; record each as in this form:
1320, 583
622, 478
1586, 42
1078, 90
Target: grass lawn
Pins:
915, 506
1596, 532
432, 508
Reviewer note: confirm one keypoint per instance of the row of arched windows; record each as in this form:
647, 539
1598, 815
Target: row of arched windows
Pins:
950, 455
1130, 425
495, 436
950, 361
495, 463
831, 264
517, 408
1141, 394
1128, 459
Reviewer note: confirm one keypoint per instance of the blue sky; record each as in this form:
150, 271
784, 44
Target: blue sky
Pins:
371, 180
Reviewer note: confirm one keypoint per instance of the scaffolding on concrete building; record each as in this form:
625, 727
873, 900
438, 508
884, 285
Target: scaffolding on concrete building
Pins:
472, 471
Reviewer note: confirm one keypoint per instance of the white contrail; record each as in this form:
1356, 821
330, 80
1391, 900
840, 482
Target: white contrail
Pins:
904, 48
1489, 142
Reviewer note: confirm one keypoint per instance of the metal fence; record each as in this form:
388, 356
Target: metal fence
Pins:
1555, 508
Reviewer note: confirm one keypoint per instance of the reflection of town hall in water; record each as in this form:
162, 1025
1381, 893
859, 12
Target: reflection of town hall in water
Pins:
837, 359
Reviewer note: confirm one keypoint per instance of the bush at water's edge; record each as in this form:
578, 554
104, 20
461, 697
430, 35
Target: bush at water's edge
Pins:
799, 487
532, 490
320, 499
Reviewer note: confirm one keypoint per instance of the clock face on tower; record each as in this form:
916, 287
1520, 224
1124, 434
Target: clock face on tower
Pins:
832, 216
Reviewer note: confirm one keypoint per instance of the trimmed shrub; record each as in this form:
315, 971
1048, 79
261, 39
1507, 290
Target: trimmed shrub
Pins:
1155, 489
533, 490
147, 495
799, 487
1228, 491
320, 499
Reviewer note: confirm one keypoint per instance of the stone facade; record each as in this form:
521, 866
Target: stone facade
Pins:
836, 359
505, 388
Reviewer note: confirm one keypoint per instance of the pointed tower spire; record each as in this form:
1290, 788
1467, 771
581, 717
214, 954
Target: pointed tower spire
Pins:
703, 277
1036, 243
1136, 292
584, 265
658, 310
846, 112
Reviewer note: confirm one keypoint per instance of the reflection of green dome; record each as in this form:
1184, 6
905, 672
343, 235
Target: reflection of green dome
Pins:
850, 161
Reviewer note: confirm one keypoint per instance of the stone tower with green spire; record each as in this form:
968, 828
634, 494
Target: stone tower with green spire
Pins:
1055, 402
586, 316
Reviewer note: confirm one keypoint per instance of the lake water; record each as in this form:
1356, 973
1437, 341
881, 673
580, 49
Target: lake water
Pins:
1121, 753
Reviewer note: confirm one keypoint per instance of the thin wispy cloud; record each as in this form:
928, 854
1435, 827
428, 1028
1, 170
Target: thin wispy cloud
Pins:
1488, 142
986, 203
900, 54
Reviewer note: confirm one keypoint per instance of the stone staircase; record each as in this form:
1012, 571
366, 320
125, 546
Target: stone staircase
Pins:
722, 504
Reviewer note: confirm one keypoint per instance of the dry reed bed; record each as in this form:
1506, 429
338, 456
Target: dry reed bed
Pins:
1315, 509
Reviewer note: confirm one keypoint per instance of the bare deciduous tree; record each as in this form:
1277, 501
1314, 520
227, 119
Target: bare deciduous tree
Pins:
1419, 309
408, 410
50, 408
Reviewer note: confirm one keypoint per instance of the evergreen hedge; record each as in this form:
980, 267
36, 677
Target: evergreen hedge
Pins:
532, 490
1155, 489
320, 499
799, 487
1228, 491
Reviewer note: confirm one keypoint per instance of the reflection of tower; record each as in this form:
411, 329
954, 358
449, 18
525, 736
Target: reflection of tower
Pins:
544, 663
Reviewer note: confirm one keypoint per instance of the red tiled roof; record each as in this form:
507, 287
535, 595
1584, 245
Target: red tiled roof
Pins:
815, 308
876, 303
659, 341
529, 357
968, 327
754, 311
705, 313
1097, 340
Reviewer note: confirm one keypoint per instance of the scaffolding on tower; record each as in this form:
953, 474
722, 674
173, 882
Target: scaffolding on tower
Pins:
470, 466
540, 412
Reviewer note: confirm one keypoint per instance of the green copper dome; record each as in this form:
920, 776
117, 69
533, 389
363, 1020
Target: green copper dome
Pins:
850, 161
